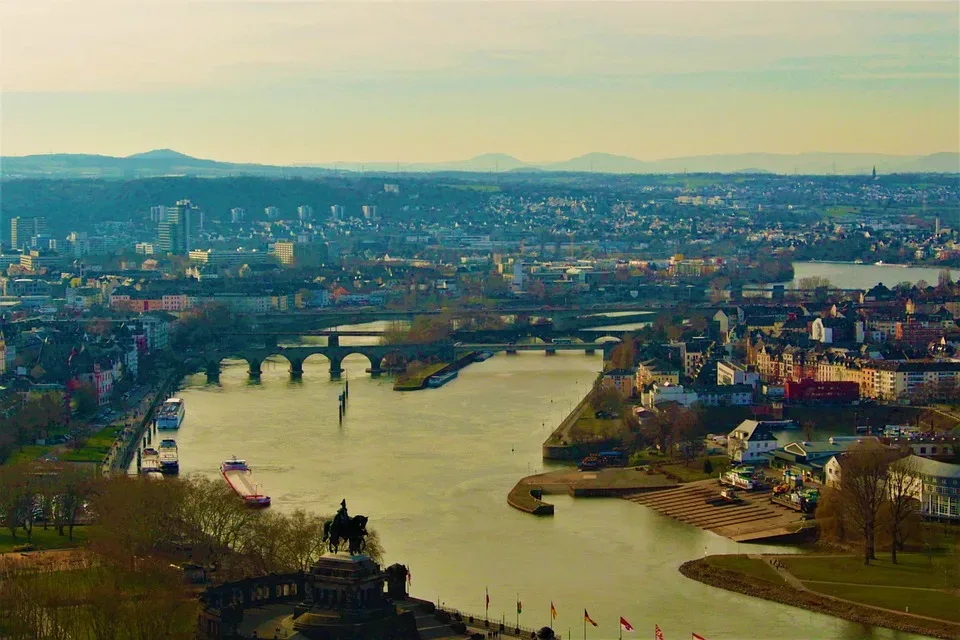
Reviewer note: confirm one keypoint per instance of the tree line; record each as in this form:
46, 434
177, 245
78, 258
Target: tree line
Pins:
130, 584
876, 502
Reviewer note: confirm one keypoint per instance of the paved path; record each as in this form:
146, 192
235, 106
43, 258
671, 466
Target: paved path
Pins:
795, 582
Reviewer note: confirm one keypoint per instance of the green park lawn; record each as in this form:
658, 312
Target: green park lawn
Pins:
757, 569
29, 453
694, 471
937, 571
588, 428
42, 539
935, 604
94, 449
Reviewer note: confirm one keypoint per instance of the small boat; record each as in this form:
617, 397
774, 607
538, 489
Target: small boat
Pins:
169, 456
438, 380
482, 355
879, 263
239, 478
149, 461
858, 261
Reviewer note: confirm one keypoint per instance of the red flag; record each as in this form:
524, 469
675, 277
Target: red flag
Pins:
658, 633
624, 625
697, 637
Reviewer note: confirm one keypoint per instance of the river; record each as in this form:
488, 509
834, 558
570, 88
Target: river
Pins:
432, 470
847, 275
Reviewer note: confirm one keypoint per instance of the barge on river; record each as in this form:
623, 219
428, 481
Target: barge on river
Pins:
438, 380
239, 477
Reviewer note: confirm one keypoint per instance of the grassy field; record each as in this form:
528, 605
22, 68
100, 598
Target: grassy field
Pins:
840, 211
589, 428
694, 471
29, 453
417, 380
936, 604
938, 571
94, 449
757, 569
42, 539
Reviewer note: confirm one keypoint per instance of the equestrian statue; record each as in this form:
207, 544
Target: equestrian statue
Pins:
344, 528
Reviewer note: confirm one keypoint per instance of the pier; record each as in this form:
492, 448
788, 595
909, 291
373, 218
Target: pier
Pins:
617, 481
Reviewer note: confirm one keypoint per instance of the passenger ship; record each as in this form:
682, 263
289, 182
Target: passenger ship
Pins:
171, 414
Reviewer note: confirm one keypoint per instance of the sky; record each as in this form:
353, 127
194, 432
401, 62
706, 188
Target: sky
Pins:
319, 82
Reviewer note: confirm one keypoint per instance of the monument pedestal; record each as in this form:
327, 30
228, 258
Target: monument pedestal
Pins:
344, 600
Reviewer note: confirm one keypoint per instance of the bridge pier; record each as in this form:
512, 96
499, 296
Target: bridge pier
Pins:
254, 369
296, 368
333, 340
336, 370
376, 371
213, 372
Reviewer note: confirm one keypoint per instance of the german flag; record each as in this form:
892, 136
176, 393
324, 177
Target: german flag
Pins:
553, 611
587, 618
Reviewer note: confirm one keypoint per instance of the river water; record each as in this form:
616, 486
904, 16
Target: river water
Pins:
847, 275
432, 470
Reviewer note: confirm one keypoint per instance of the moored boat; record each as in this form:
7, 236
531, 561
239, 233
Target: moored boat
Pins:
149, 461
482, 355
438, 380
169, 456
239, 478
171, 414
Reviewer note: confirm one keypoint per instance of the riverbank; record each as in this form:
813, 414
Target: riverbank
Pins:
526, 495
125, 446
762, 577
581, 433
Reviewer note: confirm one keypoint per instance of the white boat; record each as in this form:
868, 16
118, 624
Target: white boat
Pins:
169, 456
171, 414
149, 461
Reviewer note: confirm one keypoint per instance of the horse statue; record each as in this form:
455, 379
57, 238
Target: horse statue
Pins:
344, 528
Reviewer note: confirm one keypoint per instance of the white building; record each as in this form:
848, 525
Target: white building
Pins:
305, 212
272, 213
729, 373
237, 215
750, 440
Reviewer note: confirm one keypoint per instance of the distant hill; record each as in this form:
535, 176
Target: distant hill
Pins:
167, 162
160, 154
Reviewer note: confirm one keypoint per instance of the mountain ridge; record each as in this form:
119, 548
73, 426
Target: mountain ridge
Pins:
161, 162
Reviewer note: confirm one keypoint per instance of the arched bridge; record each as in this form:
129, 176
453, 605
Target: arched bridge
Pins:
296, 355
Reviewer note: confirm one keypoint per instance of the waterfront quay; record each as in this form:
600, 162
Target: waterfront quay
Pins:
526, 495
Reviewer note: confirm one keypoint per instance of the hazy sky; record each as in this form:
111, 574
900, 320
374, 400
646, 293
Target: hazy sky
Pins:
289, 82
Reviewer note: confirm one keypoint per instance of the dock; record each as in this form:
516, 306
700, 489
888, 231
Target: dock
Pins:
753, 519
527, 494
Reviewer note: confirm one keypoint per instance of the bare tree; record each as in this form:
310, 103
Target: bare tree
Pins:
863, 489
903, 507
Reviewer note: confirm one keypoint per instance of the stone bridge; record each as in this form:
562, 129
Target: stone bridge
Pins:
335, 353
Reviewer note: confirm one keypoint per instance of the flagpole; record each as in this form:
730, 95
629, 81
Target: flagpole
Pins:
584, 626
518, 611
